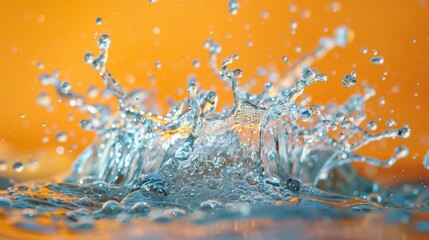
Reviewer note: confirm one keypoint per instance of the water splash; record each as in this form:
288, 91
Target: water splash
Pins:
263, 137
266, 149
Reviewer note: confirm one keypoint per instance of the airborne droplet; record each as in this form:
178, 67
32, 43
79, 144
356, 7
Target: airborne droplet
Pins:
349, 80
377, 60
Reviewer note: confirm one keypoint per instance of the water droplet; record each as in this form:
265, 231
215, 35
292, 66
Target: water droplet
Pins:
92, 91
158, 64
60, 150
305, 13
40, 65
309, 74
391, 123
98, 21
156, 30
285, 59
335, 6
265, 15
372, 125
293, 26
404, 132
377, 60
43, 99
88, 57
22, 115
61, 136
65, 87
349, 80
196, 63
233, 7
345, 124
238, 73
104, 42
18, 166
111, 207
292, 8
364, 51
3, 165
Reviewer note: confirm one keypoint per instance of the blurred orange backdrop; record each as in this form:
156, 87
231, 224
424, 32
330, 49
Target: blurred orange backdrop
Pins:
58, 33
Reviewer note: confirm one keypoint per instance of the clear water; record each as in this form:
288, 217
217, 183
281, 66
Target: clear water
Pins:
267, 156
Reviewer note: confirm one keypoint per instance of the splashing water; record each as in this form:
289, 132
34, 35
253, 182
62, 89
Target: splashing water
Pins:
265, 150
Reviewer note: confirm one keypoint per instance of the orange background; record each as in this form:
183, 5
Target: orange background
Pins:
58, 33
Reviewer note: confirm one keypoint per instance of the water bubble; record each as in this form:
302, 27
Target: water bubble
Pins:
104, 42
374, 52
156, 30
322, 77
335, 6
293, 27
61, 136
98, 21
364, 51
292, 8
43, 99
309, 74
18, 166
111, 207
265, 15
372, 125
22, 115
233, 7
345, 124
92, 91
238, 73
305, 13
65, 87
210, 205
285, 59
141, 207
213, 47
377, 60
3, 165
391, 123
349, 80
196, 63
293, 184
60, 150
88, 57
40, 65
158, 64
22, 188
404, 132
